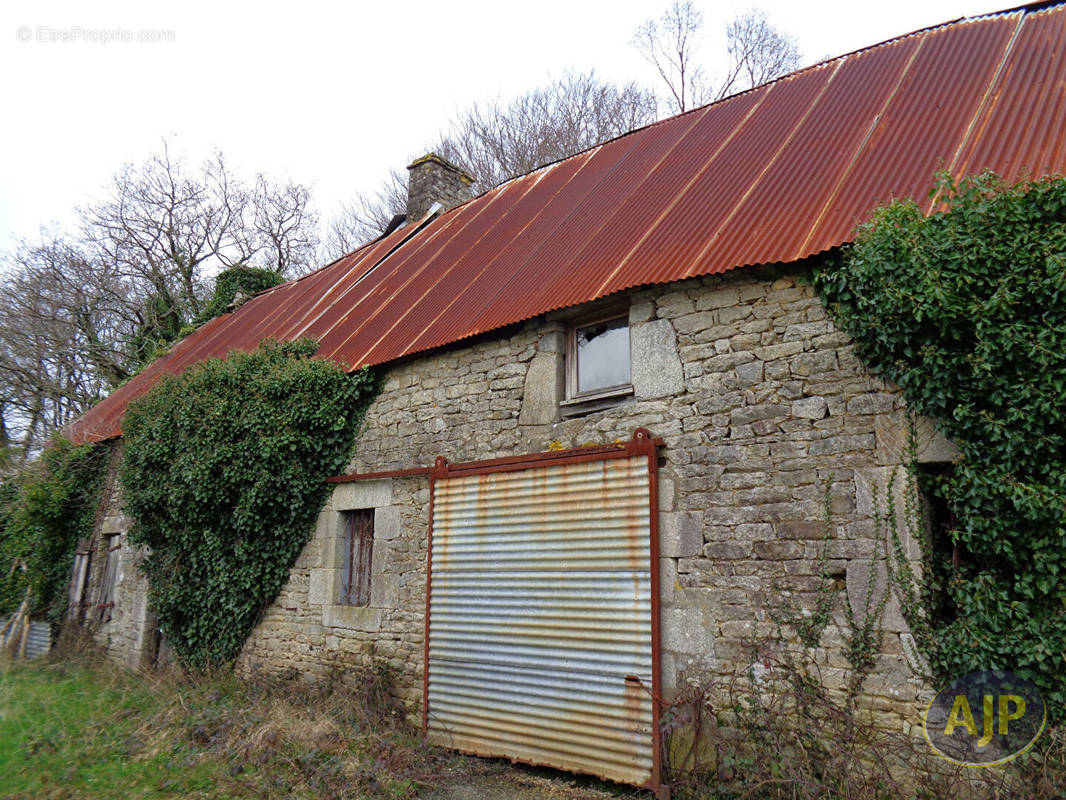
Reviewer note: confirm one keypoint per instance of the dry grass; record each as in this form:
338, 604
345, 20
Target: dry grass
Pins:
334, 739
77, 727
788, 738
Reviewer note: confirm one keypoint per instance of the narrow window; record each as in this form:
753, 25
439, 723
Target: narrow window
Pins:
598, 358
110, 578
358, 554
79, 580
948, 555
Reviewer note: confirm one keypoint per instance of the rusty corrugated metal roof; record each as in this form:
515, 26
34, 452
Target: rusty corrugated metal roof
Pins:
773, 175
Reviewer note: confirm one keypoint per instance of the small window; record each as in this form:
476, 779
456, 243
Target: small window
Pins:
358, 554
110, 578
598, 359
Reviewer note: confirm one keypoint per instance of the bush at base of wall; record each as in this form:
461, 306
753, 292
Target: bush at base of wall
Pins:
966, 311
223, 473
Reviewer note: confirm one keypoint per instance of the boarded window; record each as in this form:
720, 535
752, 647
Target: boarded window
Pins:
358, 554
110, 578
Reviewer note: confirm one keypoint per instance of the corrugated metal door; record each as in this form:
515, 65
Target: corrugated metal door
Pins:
38, 641
540, 635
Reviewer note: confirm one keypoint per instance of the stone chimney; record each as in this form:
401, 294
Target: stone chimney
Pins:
435, 180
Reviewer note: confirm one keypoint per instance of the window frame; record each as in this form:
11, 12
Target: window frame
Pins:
80, 580
112, 545
357, 565
573, 396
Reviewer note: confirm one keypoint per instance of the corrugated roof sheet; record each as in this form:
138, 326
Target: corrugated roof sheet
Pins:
775, 174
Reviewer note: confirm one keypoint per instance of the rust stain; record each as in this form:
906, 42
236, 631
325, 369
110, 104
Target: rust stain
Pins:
773, 175
529, 643
635, 699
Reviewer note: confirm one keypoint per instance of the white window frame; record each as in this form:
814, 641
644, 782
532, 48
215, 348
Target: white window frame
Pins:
573, 396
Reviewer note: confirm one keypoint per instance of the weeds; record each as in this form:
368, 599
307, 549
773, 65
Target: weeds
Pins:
781, 735
76, 727
776, 730
170, 735
810, 626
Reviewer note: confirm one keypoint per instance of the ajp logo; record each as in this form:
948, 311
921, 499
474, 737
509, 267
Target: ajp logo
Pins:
985, 718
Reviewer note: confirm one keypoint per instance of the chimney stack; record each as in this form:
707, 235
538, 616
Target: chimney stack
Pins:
435, 180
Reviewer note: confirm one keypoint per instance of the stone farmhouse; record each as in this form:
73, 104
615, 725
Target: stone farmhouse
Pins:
613, 403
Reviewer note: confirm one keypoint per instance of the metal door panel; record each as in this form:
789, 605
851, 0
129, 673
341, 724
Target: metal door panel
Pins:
540, 635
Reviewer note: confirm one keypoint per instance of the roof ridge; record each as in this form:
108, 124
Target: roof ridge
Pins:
1037, 5
778, 174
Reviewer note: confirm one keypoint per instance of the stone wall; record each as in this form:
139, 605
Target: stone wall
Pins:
130, 634
761, 403
308, 631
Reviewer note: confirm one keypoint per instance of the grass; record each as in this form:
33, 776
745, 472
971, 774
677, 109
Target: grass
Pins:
79, 727
87, 730
71, 733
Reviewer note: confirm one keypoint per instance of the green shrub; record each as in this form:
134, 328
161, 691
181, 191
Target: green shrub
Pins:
43, 514
966, 311
224, 472
230, 282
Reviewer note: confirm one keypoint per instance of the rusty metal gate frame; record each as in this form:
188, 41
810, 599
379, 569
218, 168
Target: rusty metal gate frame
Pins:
642, 444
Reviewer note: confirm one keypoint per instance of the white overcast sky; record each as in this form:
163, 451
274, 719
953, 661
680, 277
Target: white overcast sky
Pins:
331, 94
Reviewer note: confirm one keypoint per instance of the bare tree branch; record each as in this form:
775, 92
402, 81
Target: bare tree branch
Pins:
282, 220
364, 219
670, 45
80, 316
757, 52
497, 140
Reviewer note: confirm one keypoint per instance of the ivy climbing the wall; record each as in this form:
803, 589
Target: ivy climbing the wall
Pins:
44, 511
965, 310
223, 471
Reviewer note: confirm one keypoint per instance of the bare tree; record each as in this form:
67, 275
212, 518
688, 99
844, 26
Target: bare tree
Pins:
364, 219
54, 333
167, 228
78, 316
285, 225
757, 52
670, 44
497, 140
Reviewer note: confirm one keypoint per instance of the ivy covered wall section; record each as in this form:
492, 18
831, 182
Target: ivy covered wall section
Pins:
44, 511
966, 311
224, 472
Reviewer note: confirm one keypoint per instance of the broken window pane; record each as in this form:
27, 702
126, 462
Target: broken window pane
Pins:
602, 352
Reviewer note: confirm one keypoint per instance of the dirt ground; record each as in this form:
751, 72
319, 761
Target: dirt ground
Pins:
499, 780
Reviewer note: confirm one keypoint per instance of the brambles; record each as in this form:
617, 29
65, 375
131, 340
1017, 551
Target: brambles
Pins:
782, 735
